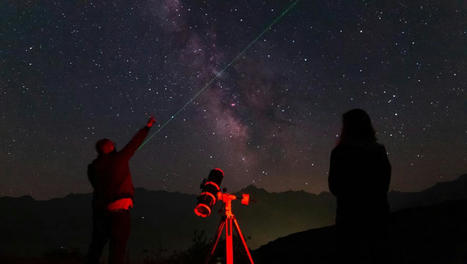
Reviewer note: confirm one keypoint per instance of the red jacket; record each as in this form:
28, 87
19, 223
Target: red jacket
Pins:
110, 175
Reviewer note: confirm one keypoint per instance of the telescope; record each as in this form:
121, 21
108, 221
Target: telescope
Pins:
210, 194
210, 188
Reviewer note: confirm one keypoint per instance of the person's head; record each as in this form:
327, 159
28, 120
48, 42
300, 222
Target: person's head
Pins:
357, 127
105, 146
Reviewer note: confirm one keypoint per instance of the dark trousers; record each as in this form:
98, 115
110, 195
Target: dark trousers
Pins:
113, 227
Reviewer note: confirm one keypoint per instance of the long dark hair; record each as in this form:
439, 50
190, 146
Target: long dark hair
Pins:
357, 128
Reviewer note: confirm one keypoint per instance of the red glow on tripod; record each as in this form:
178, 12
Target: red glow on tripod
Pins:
230, 223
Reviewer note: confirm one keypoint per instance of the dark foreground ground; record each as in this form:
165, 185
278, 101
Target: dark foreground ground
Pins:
432, 234
435, 234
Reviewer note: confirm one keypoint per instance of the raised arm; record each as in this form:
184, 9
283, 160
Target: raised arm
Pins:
137, 139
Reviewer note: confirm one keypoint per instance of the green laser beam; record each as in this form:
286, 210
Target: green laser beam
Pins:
208, 84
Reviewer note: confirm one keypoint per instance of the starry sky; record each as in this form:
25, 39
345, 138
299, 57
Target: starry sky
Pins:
73, 72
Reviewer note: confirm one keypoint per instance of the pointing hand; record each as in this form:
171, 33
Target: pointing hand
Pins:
151, 121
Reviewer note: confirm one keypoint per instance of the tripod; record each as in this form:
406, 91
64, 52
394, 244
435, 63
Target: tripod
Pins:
228, 220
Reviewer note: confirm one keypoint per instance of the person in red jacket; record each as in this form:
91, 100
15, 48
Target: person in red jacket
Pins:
112, 200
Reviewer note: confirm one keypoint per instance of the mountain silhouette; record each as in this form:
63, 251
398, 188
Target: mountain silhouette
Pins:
443, 191
164, 221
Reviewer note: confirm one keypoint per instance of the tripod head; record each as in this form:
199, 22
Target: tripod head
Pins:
230, 223
227, 199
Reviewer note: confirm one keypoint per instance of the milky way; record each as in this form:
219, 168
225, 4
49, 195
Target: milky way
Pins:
73, 72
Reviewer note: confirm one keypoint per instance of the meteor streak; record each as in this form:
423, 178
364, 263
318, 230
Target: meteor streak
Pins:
218, 74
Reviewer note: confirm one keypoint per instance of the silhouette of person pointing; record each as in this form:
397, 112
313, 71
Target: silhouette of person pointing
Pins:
112, 199
359, 177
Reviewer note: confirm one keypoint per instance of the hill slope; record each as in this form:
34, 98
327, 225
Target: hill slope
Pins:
433, 234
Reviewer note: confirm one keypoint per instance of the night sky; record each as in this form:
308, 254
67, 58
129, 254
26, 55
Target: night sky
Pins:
72, 72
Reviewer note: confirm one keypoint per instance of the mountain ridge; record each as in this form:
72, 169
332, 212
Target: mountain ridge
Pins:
163, 220
251, 187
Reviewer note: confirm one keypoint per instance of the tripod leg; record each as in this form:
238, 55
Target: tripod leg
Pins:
218, 236
243, 240
229, 241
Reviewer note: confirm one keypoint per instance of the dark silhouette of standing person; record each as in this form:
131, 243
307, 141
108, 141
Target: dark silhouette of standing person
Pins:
359, 177
110, 177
